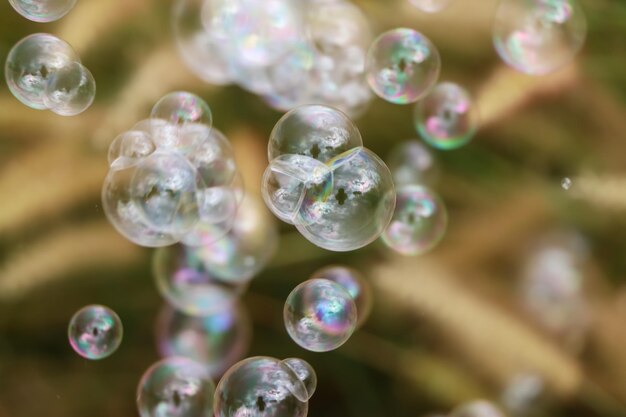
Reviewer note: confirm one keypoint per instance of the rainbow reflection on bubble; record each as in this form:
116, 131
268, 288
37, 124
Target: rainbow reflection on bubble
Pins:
95, 332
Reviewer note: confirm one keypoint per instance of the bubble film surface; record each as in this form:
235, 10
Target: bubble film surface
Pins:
95, 332
261, 387
402, 66
431, 6
320, 315
540, 36
128, 148
43, 10
175, 387
217, 340
305, 373
180, 108
447, 118
411, 162
419, 221
70, 90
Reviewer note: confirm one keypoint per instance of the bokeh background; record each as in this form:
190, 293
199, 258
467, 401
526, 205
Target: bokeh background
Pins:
447, 327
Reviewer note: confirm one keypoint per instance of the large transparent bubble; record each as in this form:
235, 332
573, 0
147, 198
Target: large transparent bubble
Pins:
43, 10
95, 332
539, 36
70, 90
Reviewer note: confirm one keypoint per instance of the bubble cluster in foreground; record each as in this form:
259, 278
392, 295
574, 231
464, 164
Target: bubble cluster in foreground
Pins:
43, 10
95, 332
44, 73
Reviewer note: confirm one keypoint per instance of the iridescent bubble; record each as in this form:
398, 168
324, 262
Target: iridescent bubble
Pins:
419, 221
43, 10
246, 248
290, 179
70, 90
128, 148
320, 315
354, 283
261, 387
402, 66
183, 280
180, 108
316, 131
431, 6
217, 340
411, 163
305, 373
357, 210
446, 118
30, 64
539, 37
175, 387
478, 408
95, 332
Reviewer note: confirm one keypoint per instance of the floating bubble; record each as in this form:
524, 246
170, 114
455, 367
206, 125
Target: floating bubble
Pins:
320, 315
412, 163
566, 183
261, 387
217, 340
70, 90
95, 332
175, 387
419, 221
43, 10
354, 283
183, 280
357, 210
446, 118
128, 148
402, 66
539, 37
305, 373
180, 108
30, 64
316, 131
478, 408
431, 6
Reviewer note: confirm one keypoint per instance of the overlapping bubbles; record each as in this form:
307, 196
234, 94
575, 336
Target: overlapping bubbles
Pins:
290, 52
45, 73
338, 194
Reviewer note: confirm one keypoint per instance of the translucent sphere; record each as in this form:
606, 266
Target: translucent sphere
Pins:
183, 280
478, 408
446, 118
217, 340
305, 373
411, 162
31, 62
402, 66
70, 90
357, 210
128, 148
175, 387
419, 222
541, 36
261, 387
431, 6
354, 283
290, 179
320, 315
180, 108
95, 332
316, 131
43, 10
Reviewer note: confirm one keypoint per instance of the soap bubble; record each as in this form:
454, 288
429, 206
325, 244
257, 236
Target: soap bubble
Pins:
128, 148
478, 408
402, 66
175, 387
95, 332
431, 6
357, 210
411, 163
419, 221
183, 280
43, 10
539, 37
70, 90
354, 283
289, 179
180, 108
261, 387
316, 131
30, 64
446, 118
217, 340
305, 373
320, 315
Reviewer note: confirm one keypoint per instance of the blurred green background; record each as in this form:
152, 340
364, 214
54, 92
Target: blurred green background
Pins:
447, 327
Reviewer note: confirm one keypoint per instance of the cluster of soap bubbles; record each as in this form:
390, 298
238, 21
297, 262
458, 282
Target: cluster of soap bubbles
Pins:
172, 177
95, 332
287, 51
43, 10
45, 73
338, 194
322, 313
